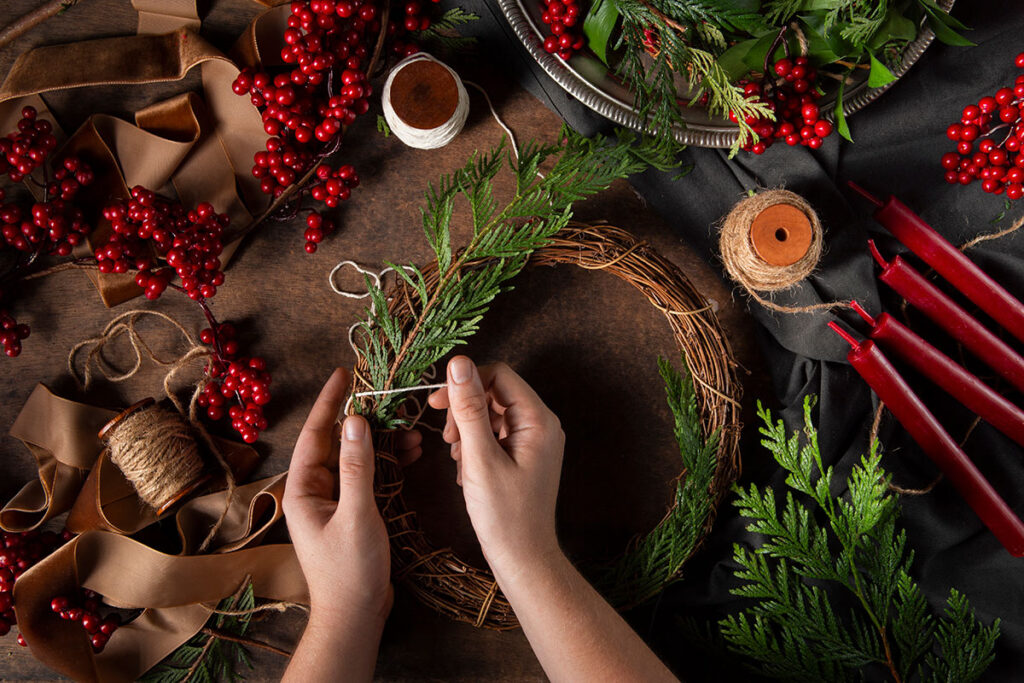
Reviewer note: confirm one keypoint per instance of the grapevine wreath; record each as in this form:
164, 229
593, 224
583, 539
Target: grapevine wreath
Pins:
446, 583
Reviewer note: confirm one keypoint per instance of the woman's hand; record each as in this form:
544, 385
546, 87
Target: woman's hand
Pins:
508, 448
338, 534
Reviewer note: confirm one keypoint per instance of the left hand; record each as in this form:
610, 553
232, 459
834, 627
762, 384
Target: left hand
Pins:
339, 536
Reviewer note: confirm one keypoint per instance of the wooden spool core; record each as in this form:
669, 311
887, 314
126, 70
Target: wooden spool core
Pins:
424, 94
781, 234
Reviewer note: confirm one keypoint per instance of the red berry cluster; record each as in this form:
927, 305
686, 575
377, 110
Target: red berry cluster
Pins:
335, 185
189, 241
791, 96
25, 150
51, 227
86, 612
398, 31
317, 228
19, 552
563, 16
239, 386
326, 44
999, 166
11, 332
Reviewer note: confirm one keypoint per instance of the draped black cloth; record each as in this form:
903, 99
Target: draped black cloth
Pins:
898, 141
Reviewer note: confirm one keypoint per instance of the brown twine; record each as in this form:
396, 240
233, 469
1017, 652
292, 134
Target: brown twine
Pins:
157, 452
125, 324
992, 235
439, 578
755, 274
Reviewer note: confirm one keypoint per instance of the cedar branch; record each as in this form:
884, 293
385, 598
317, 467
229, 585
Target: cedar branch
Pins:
27, 22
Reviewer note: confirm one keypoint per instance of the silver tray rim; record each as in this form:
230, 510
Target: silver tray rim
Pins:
700, 132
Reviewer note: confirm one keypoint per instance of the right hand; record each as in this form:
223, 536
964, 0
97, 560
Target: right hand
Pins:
508, 448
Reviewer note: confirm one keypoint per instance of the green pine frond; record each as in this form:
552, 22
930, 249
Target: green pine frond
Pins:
822, 550
656, 560
967, 647
206, 657
400, 348
443, 32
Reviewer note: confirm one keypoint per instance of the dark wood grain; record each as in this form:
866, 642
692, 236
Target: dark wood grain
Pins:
587, 341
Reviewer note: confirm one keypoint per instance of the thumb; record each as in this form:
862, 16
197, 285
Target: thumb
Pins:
468, 406
355, 465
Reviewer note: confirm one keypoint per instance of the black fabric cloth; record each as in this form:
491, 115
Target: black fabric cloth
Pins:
898, 141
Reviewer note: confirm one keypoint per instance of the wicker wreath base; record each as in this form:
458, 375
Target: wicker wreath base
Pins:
436, 576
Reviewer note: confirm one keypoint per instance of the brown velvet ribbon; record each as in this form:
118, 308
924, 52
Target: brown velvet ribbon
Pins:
76, 474
61, 434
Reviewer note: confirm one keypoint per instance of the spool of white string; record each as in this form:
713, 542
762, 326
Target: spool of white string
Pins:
416, 100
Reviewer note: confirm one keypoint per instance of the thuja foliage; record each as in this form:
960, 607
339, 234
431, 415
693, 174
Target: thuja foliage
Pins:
399, 349
831, 585
657, 559
205, 658
443, 32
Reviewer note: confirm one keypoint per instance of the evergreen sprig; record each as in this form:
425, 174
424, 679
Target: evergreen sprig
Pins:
205, 658
443, 33
399, 349
656, 559
820, 550
688, 37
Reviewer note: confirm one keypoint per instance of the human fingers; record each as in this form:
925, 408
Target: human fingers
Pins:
308, 474
469, 406
407, 446
515, 398
355, 465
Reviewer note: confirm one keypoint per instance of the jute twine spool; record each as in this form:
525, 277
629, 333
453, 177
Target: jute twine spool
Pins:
425, 102
770, 242
157, 452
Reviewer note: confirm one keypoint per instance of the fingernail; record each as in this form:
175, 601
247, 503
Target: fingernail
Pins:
354, 427
462, 370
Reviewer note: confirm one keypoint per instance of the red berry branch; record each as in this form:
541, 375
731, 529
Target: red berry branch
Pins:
19, 551
999, 165
86, 612
563, 17
789, 90
331, 48
31, 229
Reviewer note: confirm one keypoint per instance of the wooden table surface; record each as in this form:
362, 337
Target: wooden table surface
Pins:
587, 341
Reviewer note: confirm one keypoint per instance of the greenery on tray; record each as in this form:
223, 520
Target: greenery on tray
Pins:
443, 34
399, 349
207, 657
656, 559
832, 594
717, 43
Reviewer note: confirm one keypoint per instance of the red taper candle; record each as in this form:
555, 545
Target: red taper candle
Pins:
944, 312
949, 262
871, 364
977, 396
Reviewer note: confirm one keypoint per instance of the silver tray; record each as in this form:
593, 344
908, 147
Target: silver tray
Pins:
586, 78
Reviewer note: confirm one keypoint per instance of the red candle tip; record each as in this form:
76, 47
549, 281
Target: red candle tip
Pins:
844, 334
865, 316
877, 254
865, 194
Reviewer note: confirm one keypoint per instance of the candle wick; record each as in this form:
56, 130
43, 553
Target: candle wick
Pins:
877, 254
865, 194
844, 334
862, 313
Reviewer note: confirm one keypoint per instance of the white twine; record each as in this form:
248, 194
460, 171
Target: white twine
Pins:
417, 137
386, 392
